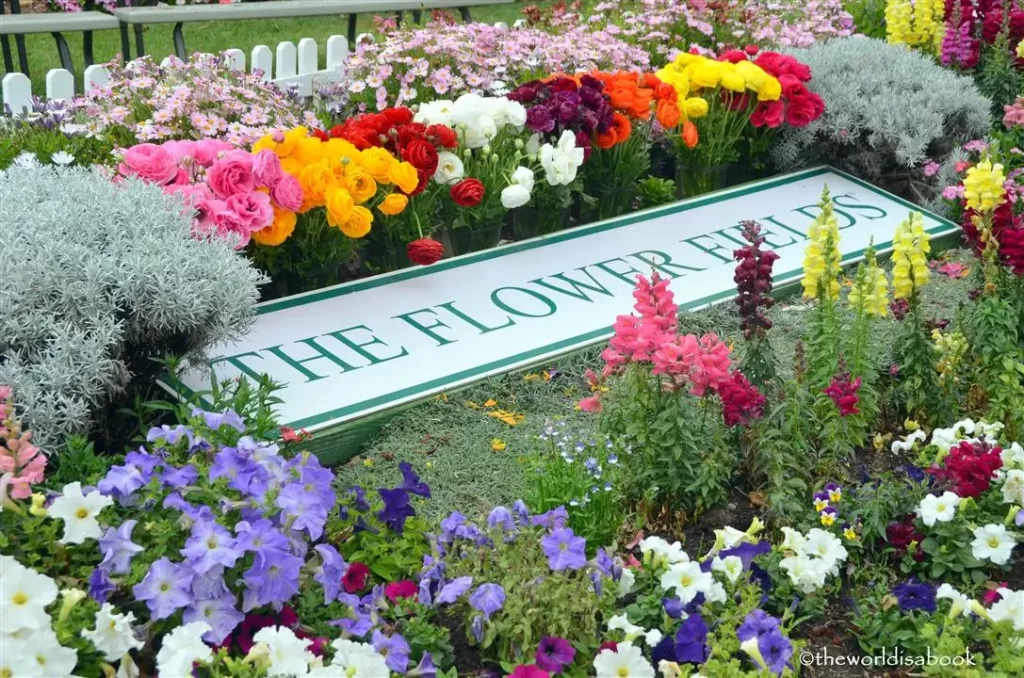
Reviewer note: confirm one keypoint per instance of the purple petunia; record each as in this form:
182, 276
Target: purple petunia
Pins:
210, 544
1019, 519
756, 624
359, 502
330, 572
746, 552
259, 536
220, 613
673, 607
214, 420
501, 517
396, 508
118, 549
565, 551
522, 512
691, 641
100, 586
553, 519
776, 650
273, 578
171, 435
915, 595
144, 461
121, 481
454, 589
395, 650
488, 599
210, 585
243, 474
303, 508
165, 588
411, 482
179, 477
554, 654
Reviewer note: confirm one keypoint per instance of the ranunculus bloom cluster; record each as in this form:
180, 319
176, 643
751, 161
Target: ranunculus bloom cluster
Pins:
969, 466
753, 280
582, 107
798, 106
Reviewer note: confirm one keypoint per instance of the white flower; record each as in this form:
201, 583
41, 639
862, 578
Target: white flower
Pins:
807, 574
36, 654
479, 132
1013, 487
513, 196
960, 604
907, 443
26, 160
358, 660
24, 595
627, 661
626, 582
78, 511
687, 580
731, 566
716, 594
127, 668
1010, 607
435, 112
827, 547
669, 669
941, 509
449, 168
794, 541
523, 176
533, 144
1013, 456
181, 648
113, 634
561, 162
62, 158
992, 542
660, 552
286, 652
653, 637
631, 631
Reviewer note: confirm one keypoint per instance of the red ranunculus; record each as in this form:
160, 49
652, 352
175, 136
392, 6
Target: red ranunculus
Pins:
425, 251
791, 86
445, 135
800, 112
421, 154
768, 113
320, 134
401, 589
468, 192
751, 49
733, 56
355, 577
398, 116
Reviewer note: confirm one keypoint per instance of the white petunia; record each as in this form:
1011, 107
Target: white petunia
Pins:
992, 542
959, 603
626, 582
127, 668
449, 168
793, 541
78, 511
687, 580
1009, 607
938, 509
730, 566
807, 574
716, 593
24, 595
659, 552
1013, 456
286, 652
626, 661
631, 631
1013, 487
47, 656
907, 443
113, 635
826, 546
358, 660
653, 637
181, 648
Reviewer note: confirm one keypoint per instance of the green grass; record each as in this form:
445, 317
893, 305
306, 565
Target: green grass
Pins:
215, 36
449, 442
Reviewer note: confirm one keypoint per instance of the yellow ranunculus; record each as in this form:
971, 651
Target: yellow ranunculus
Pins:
337, 150
771, 89
315, 181
404, 175
358, 224
281, 143
340, 207
753, 74
732, 80
695, 107
361, 185
376, 162
393, 204
291, 166
279, 229
308, 150
707, 74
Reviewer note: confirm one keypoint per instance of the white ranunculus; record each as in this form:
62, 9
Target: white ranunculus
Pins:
24, 595
78, 511
625, 660
687, 580
938, 509
514, 196
480, 132
113, 635
992, 542
181, 648
524, 177
561, 161
449, 168
435, 112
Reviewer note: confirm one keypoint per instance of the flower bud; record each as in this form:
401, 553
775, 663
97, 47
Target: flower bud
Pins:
70, 598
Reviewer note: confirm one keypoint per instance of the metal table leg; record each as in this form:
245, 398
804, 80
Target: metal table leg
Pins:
352, 30
64, 51
126, 44
139, 49
464, 11
179, 42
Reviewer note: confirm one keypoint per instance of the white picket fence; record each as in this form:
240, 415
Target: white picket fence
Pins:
290, 65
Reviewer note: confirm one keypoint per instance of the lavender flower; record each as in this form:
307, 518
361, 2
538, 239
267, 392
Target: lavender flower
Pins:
273, 578
501, 517
301, 505
243, 474
565, 551
171, 436
118, 549
454, 589
210, 585
214, 420
220, 613
121, 481
394, 649
209, 545
100, 586
330, 571
488, 599
553, 519
165, 588
179, 477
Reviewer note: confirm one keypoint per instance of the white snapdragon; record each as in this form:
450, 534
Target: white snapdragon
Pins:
992, 542
78, 511
940, 509
908, 442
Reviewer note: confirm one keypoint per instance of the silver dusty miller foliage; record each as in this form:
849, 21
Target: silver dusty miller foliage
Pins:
888, 110
97, 279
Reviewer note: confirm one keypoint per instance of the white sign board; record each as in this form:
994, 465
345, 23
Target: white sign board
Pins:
350, 350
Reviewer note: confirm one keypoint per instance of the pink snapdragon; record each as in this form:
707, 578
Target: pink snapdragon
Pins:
22, 464
1013, 115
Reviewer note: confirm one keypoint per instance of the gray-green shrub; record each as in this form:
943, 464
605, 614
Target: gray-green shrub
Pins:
887, 111
97, 279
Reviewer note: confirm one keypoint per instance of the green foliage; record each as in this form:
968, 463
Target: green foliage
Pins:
42, 144
655, 191
868, 17
999, 78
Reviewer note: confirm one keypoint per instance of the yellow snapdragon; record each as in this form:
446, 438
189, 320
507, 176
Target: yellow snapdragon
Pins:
822, 256
983, 186
1020, 49
951, 348
911, 244
870, 291
917, 24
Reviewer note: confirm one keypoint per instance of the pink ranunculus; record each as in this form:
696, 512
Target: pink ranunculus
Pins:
206, 206
207, 150
266, 169
180, 150
227, 223
253, 209
231, 174
149, 162
287, 194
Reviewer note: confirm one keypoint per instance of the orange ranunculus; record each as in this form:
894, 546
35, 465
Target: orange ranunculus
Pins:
665, 92
607, 139
622, 98
668, 114
620, 124
652, 81
278, 231
642, 104
690, 136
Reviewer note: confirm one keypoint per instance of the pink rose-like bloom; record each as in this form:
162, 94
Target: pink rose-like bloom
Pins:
231, 174
227, 222
180, 150
253, 209
266, 169
287, 193
149, 162
207, 150
931, 168
591, 404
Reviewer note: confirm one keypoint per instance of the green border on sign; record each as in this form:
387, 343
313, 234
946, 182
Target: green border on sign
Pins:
405, 395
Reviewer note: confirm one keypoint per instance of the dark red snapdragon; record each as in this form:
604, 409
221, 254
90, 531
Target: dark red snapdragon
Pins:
742, 403
753, 278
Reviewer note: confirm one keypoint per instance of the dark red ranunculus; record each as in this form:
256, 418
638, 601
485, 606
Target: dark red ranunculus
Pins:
800, 112
445, 135
398, 116
425, 251
355, 577
468, 192
768, 114
733, 56
422, 155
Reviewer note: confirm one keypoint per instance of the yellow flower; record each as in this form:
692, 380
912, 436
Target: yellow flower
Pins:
870, 291
695, 107
490, 402
292, 166
707, 73
340, 207
828, 519
770, 90
910, 267
850, 534
361, 185
820, 505
315, 180
339, 151
498, 445
359, 223
822, 256
404, 175
308, 150
281, 143
279, 229
510, 418
983, 186
732, 80
1020, 49
393, 204
38, 509
377, 163
753, 74
367, 462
